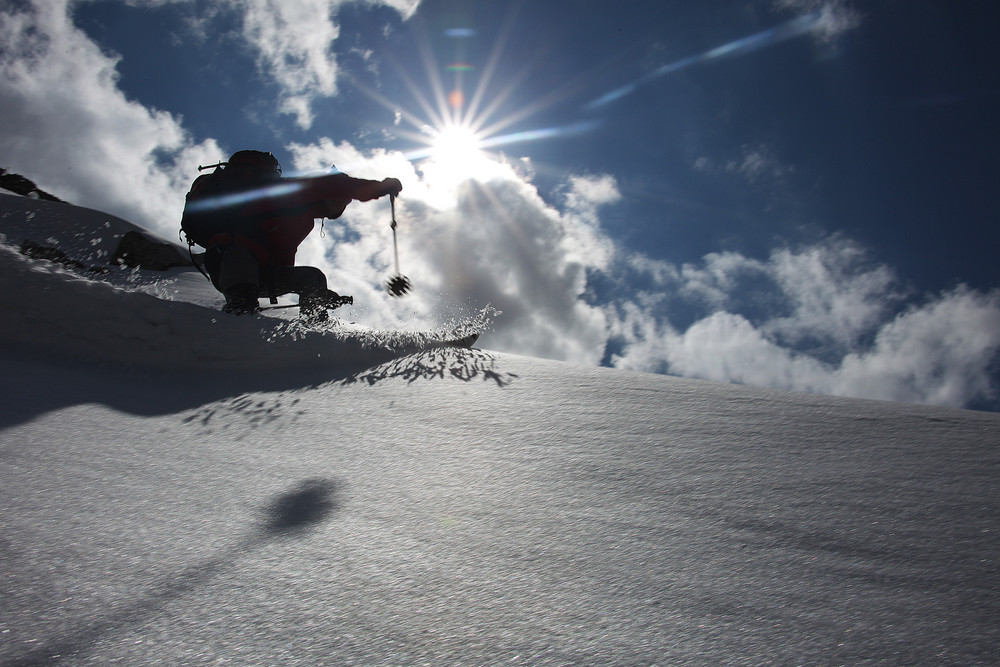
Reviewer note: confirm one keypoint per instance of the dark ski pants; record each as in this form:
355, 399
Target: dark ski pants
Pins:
234, 269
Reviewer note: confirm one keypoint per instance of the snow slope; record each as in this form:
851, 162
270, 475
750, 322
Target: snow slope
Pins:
355, 503
167, 319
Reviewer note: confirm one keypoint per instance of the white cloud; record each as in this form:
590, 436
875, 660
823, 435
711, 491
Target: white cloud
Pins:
836, 16
406, 8
74, 132
294, 40
825, 325
834, 291
493, 242
829, 293
716, 282
938, 353
726, 347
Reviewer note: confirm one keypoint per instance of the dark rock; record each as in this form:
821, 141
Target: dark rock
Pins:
138, 250
23, 186
37, 251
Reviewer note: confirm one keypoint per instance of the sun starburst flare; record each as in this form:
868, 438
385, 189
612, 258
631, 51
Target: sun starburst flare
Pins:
462, 113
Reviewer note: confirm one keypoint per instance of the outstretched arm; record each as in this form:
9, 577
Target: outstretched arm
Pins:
329, 195
342, 186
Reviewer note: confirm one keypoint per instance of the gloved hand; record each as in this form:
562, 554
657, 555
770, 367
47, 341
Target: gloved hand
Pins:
391, 186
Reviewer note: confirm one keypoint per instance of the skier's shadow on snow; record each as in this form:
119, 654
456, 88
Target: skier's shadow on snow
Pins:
56, 383
289, 515
255, 410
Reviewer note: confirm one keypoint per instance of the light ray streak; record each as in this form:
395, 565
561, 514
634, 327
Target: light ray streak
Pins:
407, 115
798, 26
525, 111
473, 117
543, 133
512, 87
246, 196
524, 136
444, 114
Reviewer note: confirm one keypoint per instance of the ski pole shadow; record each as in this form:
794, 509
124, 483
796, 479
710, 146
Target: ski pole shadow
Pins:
307, 505
464, 364
289, 515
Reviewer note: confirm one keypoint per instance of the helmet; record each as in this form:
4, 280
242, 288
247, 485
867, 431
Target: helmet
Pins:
263, 165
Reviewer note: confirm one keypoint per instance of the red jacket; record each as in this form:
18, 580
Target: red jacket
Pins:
323, 197
271, 218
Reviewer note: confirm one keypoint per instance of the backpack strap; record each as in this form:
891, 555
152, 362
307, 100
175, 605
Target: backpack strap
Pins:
194, 261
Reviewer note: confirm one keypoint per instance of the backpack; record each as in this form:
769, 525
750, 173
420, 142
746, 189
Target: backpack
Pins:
203, 219
199, 223
214, 208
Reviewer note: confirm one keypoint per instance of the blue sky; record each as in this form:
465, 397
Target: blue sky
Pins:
789, 193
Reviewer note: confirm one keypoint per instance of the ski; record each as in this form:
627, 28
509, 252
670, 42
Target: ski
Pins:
464, 341
341, 301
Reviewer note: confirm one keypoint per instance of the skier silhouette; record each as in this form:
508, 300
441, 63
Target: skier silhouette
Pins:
251, 221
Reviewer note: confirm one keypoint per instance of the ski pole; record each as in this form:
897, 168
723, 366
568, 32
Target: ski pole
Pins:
395, 246
398, 284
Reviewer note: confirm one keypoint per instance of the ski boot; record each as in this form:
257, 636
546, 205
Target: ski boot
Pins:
313, 308
241, 300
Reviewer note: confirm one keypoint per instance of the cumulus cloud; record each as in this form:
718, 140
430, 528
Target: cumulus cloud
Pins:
74, 131
939, 353
822, 318
834, 292
294, 44
488, 241
78, 135
292, 40
727, 347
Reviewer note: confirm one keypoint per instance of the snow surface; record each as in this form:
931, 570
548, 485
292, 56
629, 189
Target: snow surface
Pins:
348, 498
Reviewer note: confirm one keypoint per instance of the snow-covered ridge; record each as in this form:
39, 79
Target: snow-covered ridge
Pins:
163, 319
85, 234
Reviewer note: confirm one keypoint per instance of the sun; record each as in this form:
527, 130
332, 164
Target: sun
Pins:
454, 155
454, 145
